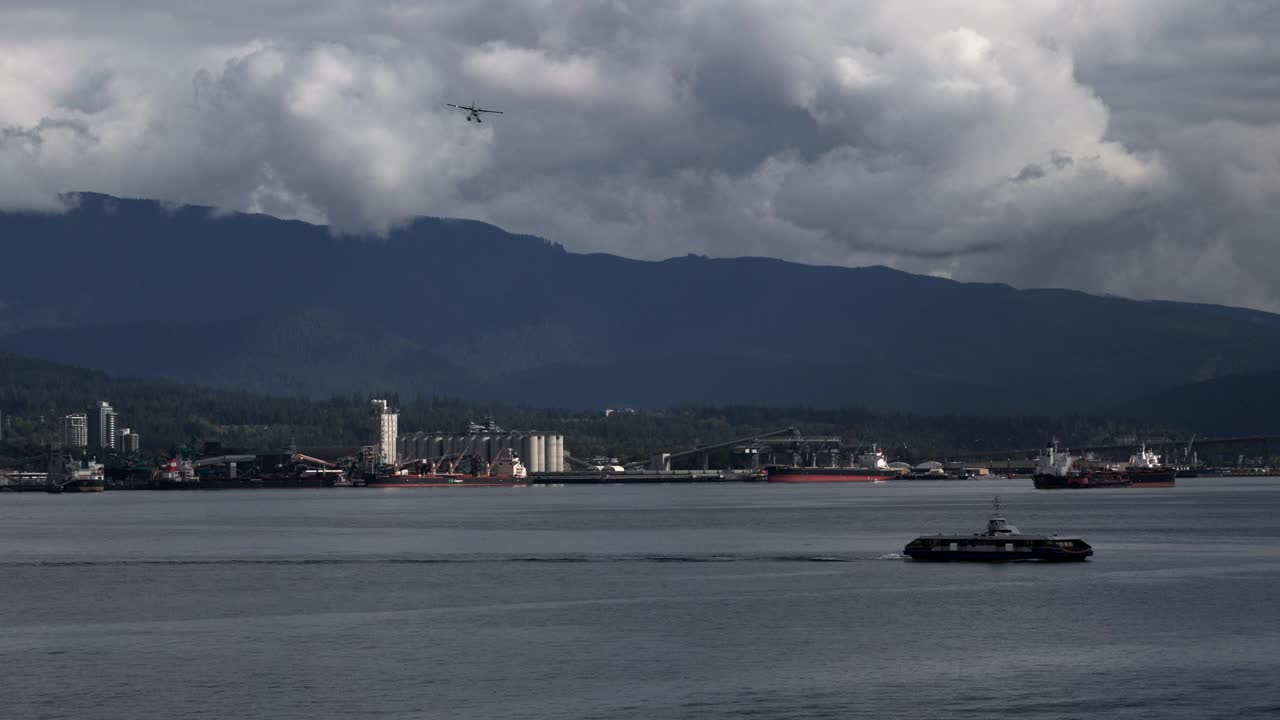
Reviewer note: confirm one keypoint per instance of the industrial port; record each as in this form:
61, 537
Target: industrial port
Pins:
487, 454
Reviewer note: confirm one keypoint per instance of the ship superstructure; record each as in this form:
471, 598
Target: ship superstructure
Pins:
1146, 470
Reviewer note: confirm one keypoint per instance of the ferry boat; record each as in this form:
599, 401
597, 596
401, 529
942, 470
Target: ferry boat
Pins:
872, 466
1001, 542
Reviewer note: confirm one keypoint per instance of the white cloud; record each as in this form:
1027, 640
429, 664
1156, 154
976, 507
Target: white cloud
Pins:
1114, 146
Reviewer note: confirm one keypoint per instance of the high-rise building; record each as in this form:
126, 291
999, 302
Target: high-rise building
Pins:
386, 430
75, 431
128, 441
102, 426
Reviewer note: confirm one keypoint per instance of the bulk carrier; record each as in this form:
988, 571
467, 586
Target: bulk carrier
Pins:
77, 476
871, 467
506, 471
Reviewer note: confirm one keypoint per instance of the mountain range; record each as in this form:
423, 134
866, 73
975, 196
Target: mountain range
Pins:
465, 309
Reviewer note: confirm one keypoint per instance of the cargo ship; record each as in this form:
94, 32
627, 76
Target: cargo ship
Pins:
82, 476
1146, 470
506, 471
872, 467
1001, 542
177, 474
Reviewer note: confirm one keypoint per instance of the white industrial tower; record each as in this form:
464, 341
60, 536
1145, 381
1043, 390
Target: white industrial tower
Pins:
386, 427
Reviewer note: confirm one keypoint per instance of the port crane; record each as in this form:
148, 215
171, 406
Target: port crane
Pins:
786, 436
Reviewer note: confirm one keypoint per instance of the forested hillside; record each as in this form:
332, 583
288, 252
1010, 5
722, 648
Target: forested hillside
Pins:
464, 309
34, 394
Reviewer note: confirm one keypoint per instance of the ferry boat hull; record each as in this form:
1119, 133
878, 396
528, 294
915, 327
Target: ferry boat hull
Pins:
1031, 554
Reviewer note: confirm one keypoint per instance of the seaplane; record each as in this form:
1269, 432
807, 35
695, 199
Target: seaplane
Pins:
473, 112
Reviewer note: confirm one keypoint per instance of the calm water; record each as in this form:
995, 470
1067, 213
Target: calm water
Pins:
738, 601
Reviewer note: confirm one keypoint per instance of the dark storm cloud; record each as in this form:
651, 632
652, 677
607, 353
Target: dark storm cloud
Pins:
1129, 147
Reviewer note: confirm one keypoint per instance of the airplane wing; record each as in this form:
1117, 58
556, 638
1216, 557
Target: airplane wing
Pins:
495, 112
452, 105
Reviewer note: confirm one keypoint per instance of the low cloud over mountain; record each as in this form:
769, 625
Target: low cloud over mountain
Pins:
1128, 147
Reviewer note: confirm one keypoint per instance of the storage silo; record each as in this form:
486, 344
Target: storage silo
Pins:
521, 445
549, 452
559, 452
406, 449
526, 451
536, 453
436, 447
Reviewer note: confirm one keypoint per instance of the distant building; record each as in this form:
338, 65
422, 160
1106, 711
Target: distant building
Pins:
75, 431
128, 441
386, 430
102, 426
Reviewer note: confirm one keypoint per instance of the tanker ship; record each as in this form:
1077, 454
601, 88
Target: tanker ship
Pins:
1145, 470
871, 467
1055, 469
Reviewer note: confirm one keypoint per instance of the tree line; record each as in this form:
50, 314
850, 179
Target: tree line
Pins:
34, 395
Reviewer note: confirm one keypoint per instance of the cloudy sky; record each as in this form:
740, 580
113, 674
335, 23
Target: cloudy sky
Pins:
1129, 147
